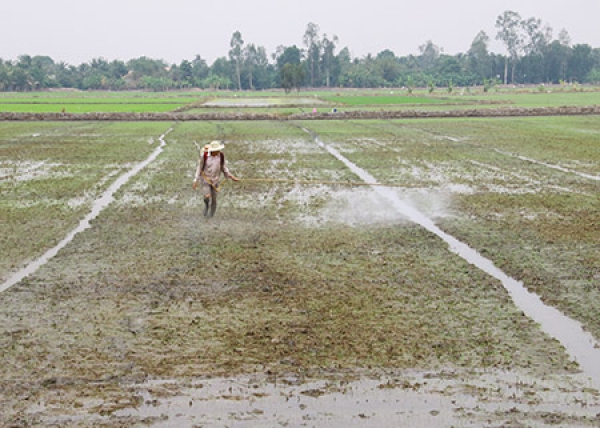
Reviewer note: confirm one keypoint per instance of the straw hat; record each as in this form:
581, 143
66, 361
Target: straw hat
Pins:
215, 146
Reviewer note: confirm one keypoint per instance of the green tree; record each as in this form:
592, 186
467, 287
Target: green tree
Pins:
313, 49
430, 53
287, 55
221, 69
292, 76
592, 77
65, 75
509, 32
42, 72
236, 56
251, 61
388, 66
200, 70
523, 37
216, 82
258, 72
344, 62
176, 75
581, 62
537, 36
4, 76
117, 69
410, 84
20, 79
186, 71
556, 62
93, 81
479, 56
144, 66
449, 64
21, 74
156, 84
329, 61
363, 73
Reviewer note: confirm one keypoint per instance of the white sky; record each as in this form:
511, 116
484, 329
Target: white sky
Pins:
76, 31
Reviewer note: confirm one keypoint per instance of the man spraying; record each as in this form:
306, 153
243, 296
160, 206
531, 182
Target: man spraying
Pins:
208, 173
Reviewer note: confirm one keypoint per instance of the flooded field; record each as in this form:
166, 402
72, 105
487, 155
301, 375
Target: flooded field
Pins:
309, 300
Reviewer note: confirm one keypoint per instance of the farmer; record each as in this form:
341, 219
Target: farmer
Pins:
208, 173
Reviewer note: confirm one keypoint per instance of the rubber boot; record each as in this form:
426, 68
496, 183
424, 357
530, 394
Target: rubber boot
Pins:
206, 203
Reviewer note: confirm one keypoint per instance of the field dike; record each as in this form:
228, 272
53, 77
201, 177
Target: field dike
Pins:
275, 313
340, 115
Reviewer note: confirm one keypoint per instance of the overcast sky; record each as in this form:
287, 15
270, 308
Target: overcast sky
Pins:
77, 31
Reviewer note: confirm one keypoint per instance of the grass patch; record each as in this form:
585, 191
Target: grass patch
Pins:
89, 107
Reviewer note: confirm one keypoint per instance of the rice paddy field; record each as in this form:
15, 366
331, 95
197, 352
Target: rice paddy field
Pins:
324, 292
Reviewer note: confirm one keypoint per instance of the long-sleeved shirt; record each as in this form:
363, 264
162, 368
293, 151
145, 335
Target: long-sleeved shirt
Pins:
211, 173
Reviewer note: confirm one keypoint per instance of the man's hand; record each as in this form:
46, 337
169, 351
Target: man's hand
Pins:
194, 184
234, 178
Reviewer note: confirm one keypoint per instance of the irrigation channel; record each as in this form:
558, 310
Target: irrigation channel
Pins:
102, 202
549, 165
579, 344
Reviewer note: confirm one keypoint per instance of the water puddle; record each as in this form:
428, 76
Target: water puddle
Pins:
410, 398
102, 202
580, 345
261, 102
243, 403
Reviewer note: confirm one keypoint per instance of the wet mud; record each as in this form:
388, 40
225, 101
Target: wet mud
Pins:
580, 344
105, 199
294, 306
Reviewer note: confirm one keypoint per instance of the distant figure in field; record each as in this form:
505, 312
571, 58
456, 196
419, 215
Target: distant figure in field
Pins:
208, 174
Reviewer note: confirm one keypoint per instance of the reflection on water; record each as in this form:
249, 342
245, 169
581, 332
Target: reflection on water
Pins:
408, 399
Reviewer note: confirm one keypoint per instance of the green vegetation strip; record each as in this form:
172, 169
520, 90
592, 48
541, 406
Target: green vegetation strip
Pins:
345, 101
87, 107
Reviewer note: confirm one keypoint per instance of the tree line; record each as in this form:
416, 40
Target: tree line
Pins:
534, 56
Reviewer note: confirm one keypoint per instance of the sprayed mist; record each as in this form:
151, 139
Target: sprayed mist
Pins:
580, 345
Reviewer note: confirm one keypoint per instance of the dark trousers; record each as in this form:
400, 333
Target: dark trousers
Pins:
210, 203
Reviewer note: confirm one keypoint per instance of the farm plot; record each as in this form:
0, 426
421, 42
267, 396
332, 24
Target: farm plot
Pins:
85, 102
290, 282
528, 197
51, 173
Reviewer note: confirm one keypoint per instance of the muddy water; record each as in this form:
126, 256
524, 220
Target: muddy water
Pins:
409, 399
244, 403
580, 345
105, 199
